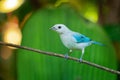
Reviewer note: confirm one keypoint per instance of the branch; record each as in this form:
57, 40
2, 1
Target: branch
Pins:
61, 56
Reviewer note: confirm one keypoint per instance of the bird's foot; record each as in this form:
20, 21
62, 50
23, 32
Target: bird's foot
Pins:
80, 60
66, 56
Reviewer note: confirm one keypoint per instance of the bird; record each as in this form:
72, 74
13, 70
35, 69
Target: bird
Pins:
73, 40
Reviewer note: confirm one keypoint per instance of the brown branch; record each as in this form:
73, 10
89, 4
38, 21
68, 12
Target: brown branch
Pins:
62, 56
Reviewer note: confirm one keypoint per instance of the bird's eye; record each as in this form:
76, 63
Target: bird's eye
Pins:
59, 27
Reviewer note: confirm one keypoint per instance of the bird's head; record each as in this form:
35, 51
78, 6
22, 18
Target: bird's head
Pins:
60, 28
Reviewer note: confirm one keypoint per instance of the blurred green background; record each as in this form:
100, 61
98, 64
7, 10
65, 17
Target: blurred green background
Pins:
28, 25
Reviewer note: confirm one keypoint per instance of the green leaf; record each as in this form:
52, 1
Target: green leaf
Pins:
36, 34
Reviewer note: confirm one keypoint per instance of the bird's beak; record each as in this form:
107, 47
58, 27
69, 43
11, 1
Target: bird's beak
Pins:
53, 28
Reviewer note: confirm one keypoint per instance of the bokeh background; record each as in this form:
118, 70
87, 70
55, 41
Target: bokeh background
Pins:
27, 23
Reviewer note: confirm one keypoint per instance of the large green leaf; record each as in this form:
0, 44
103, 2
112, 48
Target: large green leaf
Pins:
36, 34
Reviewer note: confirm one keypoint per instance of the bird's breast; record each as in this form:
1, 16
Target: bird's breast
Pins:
67, 41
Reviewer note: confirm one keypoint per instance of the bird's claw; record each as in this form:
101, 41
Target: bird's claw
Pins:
66, 56
80, 60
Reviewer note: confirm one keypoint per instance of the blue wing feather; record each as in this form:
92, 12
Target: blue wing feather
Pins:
81, 38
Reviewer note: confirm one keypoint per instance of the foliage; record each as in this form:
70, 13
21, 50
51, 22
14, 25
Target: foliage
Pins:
114, 31
2, 18
36, 34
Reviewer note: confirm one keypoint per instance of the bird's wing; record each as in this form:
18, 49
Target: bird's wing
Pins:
79, 38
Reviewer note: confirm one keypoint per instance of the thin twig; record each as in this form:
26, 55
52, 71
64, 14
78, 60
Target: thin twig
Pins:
62, 56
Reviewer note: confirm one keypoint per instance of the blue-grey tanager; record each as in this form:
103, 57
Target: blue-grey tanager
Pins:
73, 40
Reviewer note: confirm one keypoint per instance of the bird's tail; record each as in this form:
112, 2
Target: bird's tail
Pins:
98, 43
